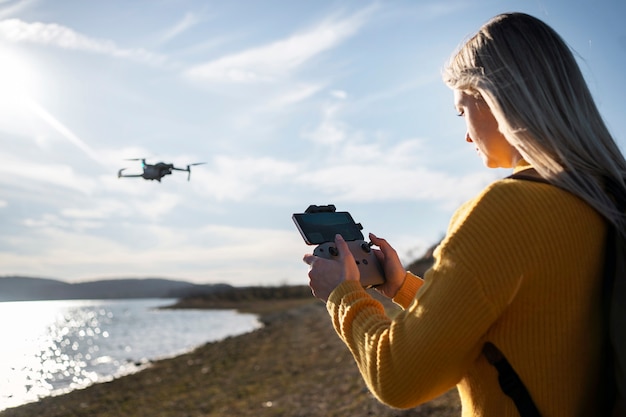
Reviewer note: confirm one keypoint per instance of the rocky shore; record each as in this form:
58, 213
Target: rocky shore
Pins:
294, 366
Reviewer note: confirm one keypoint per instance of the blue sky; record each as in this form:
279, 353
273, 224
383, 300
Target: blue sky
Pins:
288, 103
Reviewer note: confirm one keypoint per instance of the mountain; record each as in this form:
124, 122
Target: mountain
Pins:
420, 265
16, 288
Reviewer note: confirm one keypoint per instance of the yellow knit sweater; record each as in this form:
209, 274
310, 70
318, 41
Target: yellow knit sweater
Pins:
520, 267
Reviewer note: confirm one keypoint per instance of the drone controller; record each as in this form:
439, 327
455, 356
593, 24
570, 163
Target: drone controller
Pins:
318, 225
369, 267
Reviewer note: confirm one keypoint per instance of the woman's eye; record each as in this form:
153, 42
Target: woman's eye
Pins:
460, 113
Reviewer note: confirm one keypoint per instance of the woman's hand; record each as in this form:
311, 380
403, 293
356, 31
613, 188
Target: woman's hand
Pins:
326, 274
394, 271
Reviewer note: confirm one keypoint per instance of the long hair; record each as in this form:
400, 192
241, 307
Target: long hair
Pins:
530, 80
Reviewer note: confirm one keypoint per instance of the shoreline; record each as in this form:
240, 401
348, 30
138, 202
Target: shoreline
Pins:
295, 365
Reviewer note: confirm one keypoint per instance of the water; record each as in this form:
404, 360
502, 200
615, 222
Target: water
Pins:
52, 347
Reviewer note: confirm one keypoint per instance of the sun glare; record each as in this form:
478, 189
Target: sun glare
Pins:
17, 77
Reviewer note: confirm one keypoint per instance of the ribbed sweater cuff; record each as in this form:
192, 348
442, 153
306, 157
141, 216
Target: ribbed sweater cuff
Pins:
407, 291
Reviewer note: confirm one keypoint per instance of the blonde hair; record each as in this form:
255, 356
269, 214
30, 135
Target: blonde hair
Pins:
530, 80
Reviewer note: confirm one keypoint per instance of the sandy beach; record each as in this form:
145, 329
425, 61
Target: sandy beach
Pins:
295, 365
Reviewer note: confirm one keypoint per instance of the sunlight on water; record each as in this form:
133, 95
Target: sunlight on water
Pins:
50, 347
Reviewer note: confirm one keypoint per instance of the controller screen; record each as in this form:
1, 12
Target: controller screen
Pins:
322, 227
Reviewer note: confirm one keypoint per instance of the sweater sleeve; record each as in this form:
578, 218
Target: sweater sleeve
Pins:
427, 348
412, 283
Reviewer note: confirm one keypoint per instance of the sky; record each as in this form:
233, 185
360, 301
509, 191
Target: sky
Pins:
287, 103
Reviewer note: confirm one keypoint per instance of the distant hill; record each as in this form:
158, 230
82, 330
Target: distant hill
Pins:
16, 288
420, 265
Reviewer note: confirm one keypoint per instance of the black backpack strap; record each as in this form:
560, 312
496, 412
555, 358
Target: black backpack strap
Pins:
529, 174
615, 318
614, 266
510, 382
614, 295
610, 269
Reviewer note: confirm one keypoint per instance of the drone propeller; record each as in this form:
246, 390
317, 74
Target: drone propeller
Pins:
143, 160
189, 169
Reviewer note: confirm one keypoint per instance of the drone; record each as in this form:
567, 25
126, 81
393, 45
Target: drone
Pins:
156, 171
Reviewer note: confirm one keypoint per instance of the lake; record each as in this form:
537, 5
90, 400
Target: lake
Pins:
53, 347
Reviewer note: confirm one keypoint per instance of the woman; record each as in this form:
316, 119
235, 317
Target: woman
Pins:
521, 264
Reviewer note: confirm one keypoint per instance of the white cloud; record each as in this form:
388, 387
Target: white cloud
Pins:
330, 131
50, 174
355, 169
295, 95
327, 133
16, 30
239, 178
16, 7
340, 94
52, 222
272, 62
386, 181
99, 209
188, 21
158, 205
232, 254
